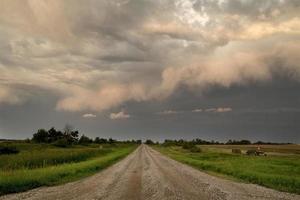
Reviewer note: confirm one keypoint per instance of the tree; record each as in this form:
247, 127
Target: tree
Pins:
100, 140
245, 142
74, 136
84, 140
111, 141
70, 135
97, 140
139, 141
149, 142
41, 136
54, 135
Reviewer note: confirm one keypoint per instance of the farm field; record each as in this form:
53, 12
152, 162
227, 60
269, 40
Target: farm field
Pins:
44, 164
278, 171
285, 149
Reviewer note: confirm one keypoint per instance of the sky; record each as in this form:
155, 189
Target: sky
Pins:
158, 69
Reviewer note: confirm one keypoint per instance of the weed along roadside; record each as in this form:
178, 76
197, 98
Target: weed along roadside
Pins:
24, 179
54, 157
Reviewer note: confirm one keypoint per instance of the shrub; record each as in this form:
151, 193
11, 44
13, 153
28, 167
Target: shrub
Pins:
100, 140
191, 147
61, 143
150, 142
195, 149
41, 136
187, 145
8, 150
84, 140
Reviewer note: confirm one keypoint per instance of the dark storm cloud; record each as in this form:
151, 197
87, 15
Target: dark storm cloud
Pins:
96, 57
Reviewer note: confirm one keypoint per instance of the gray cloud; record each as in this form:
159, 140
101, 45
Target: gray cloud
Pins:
197, 110
169, 112
119, 115
98, 55
89, 115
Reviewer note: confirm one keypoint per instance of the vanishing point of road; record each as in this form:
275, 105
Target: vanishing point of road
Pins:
146, 174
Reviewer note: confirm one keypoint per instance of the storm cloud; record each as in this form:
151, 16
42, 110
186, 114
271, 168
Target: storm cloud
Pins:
98, 56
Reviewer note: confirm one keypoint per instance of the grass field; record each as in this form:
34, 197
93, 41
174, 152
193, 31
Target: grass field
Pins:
281, 172
286, 149
43, 165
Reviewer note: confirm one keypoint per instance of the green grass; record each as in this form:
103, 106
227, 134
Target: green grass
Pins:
48, 156
277, 172
23, 178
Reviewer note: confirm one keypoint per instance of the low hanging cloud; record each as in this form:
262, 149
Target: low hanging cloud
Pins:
89, 115
219, 110
169, 112
119, 115
197, 110
91, 67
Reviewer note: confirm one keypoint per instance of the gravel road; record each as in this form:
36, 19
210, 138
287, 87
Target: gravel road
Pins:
147, 174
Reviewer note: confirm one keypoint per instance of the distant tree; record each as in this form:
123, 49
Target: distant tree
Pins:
54, 135
103, 141
97, 140
100, 140
245, 142
237, 142
111, 141
84, 140
74, 136
229, 142
139, 141
41, 136
70, 135
150, 142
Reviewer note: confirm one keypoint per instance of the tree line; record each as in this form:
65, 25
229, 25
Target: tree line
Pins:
69, 136
198, 141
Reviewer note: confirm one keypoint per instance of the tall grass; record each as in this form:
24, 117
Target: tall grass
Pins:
278, 172
23, 179
47, 157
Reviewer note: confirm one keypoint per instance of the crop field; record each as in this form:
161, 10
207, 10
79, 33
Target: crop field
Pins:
279, 170
43, 164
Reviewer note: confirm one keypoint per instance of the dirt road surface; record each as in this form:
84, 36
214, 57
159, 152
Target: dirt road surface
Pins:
147, 174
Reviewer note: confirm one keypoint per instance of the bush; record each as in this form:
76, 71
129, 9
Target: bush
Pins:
191, 147
61, 143
149, 142
187, 145
41, 136
8, 150
195, 149
100, 140
84, 140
